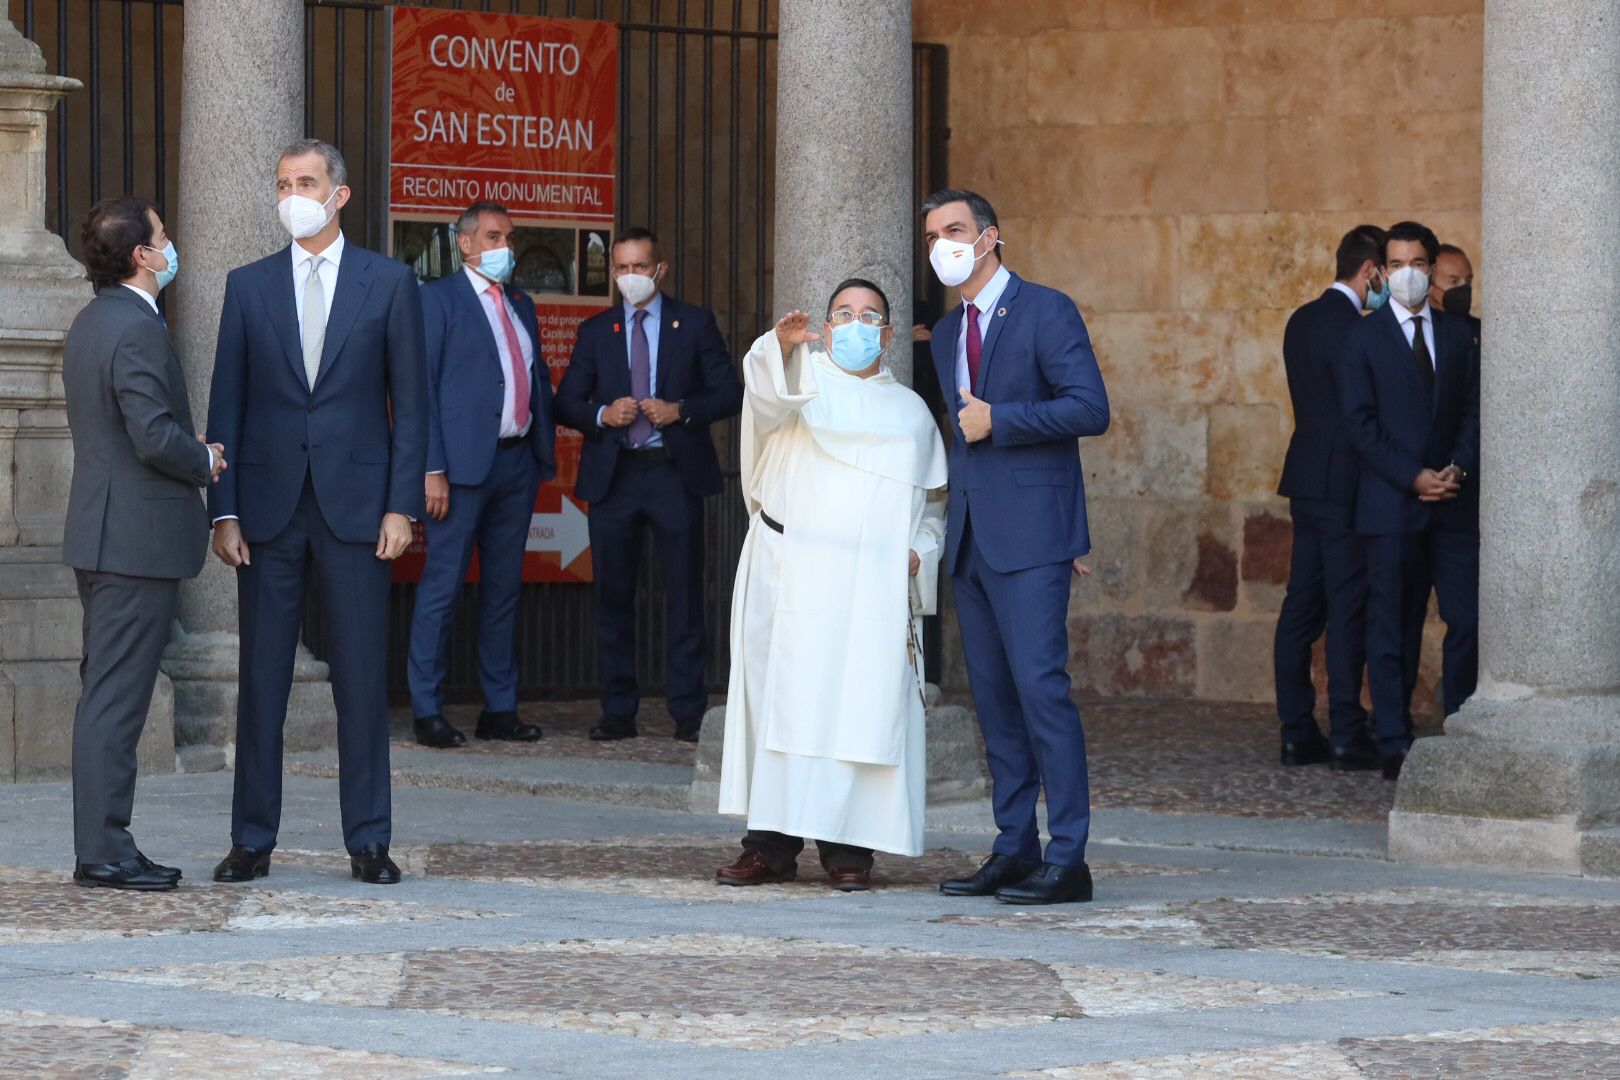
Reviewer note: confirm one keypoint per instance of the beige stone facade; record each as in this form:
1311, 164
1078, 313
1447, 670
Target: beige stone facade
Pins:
1184, 169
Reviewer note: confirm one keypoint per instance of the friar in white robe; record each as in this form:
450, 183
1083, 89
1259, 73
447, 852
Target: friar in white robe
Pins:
824, 711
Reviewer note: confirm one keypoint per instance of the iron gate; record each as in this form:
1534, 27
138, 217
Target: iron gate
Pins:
696, 129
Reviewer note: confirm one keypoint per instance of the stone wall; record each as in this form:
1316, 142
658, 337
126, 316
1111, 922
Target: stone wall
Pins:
1184, 169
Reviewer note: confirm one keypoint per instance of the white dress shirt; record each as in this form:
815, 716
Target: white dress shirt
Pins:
650, 325
1351, 293
488, 297
1405, 318
151, 301
986, 303
330, 257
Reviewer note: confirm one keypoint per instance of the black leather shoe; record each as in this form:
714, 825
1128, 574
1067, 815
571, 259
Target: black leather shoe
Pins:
993, 873
689, 730
242, 864
1307, 752
506, 727
1392, 766
1357, 757
1050, 885
138, 874
609, 729
373, 866
170, 871
437, 732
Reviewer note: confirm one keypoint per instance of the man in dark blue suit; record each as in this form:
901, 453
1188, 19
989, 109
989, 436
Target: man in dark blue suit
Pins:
490, 447
1028, 389
1410, 393
1327, 573
319, 396
646, 380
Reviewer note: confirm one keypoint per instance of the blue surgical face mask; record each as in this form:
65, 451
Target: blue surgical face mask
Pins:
855, 345
171, 268
1376, 300
496, 264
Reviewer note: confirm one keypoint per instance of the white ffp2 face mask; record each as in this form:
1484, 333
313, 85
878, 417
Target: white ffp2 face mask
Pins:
953, 261
636, 288
304, 217
1409, 285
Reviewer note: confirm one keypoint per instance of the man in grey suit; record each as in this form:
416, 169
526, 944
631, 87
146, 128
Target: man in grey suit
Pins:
135, 523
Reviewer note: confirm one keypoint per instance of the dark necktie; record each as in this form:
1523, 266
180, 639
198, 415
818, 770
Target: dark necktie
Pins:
1420, 353
641, 428
975, 346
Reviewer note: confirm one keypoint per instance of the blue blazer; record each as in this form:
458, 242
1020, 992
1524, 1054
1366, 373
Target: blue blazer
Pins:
466, 382
694, 368
360, 435
1399, 428
1321, 462
1023, 485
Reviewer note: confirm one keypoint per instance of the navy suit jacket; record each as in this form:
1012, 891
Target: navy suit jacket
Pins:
1321, 462
1399, 428
360, 434
694, 368
1023, 485
466, 382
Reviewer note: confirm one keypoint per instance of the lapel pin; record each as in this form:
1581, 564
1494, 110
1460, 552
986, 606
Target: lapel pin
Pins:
676, 325
615, 328
1001, 313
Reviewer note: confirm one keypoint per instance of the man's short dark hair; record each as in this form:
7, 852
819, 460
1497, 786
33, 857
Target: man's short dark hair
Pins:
1359, 244
637, 232
1453, 249
1410, 231
984, 215
467, 223
115, 228
858, 283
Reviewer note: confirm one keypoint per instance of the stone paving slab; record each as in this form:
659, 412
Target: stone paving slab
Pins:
1518, 934
1579, 1050
40, 906
726, 990
678, 867
50, 1047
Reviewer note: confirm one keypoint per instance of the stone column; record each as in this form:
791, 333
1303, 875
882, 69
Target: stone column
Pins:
844, 200
242, 101
1528, 774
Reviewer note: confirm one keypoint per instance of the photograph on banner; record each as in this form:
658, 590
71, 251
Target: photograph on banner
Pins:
521, 111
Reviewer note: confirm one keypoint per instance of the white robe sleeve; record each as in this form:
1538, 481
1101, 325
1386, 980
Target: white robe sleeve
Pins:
928, 542
775, 390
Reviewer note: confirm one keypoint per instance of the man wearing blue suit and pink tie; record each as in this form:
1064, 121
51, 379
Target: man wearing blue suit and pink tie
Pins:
489, 450
319, 399
1028, 389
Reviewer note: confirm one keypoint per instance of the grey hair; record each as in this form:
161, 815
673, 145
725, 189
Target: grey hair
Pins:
467, 223
335, 167
984, 215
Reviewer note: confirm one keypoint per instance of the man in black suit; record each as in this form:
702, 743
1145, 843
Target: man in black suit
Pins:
1327, 582
646, 379
320, 398
1409, 388
135, 525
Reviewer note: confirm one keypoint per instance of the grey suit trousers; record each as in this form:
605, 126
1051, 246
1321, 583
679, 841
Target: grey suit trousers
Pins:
126, 626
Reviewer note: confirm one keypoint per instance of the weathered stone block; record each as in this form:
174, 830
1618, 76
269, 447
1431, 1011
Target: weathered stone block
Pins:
1234, 659
1246, 448
1125, 77
1189, 556
1152, 450
1117, 555
1324, 163
1132, 654
1103, 263
46, 693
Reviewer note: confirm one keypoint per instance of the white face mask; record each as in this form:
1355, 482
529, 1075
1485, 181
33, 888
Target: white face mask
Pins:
304, 217
636, 288
1409, 286
953, 261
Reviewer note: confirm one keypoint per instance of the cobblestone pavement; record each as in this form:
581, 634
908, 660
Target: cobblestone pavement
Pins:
536, 936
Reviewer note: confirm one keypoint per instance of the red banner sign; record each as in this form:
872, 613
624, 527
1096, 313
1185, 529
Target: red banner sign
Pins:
506, 108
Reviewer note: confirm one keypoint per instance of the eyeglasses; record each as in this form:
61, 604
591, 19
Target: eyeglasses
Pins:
844, 316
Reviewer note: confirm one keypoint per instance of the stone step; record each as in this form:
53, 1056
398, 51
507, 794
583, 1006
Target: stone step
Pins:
1600, 852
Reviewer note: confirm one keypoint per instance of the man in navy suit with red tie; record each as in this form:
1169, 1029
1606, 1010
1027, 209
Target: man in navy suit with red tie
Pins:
1409, 388
646, 380
1019, 363
490, 448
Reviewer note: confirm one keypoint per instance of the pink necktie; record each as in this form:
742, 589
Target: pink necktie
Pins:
514, 351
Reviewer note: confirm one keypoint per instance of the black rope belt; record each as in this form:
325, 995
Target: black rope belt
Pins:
770, 522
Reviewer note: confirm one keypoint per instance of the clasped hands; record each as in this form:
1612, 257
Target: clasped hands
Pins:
1442, 486
622, 413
